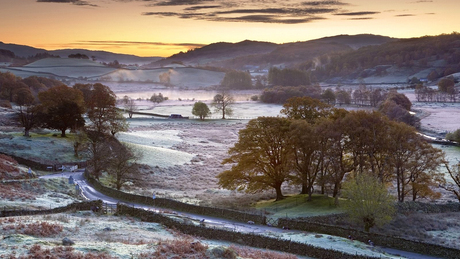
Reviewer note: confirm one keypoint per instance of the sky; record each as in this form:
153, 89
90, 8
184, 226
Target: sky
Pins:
165, 27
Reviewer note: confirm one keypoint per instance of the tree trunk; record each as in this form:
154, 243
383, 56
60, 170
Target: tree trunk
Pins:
279, 194
336, 190
369, 222
63, 133
310, 193
304, 189
26, 133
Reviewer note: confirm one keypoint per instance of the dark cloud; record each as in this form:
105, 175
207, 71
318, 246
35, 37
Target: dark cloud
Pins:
357, 13
180, 2
200, 7
360, 18
161, 14
266, 19
323, 3
405, 15
423, 1
280, 11
75, 2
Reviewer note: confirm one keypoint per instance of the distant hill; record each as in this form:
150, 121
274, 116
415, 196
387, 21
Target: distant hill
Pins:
104, 56
262, 55
217, 52
428, 58
100, 56
21, 50
72, 70
356, 41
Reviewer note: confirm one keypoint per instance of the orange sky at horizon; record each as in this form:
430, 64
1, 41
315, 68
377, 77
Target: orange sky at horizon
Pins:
166, 27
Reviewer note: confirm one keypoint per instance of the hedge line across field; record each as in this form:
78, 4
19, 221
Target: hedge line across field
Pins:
179, 206
247, 239
382, 240
71, 207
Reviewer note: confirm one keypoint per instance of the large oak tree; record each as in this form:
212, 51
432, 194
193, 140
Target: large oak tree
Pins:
62, 108
102, 108
261, 159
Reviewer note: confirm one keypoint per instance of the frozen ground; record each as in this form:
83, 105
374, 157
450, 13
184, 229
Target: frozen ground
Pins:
125, 237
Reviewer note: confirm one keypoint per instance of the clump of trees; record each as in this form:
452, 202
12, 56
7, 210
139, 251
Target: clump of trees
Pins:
288, 77
280, 94
62, 108
44, 103
158, 98
235, 79
317, 146
107, 154
78, 56
397, 107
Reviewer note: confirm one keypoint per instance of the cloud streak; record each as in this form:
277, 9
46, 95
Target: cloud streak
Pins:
357, 13
405, 15
139, 43
75, 2
180, 2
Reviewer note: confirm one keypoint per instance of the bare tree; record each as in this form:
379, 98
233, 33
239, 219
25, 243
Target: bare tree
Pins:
130, 106
79, 142
454, 172
123, 164
221, 103
99, 150
28, 110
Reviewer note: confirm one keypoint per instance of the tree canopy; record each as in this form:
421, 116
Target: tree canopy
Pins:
201, 110
305, 108
288, 77
261, 157
102, 109
62, 108
368, 201
222, 102
235, 79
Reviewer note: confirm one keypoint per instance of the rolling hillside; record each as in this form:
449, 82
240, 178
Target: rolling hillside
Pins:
23, 51
66, 67
262, 55
429, 58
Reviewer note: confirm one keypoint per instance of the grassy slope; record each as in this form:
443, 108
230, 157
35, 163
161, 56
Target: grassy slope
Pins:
298, 206
43, 147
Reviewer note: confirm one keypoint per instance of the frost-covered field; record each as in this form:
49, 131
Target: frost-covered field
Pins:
184, 156
124, 237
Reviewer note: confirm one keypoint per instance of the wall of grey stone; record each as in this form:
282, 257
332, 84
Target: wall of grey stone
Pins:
71, 207
247, 239
382, 240
179, 206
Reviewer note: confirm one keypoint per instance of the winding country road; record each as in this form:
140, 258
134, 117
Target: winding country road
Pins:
89, 193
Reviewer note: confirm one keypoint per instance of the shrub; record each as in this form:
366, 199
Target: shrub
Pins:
257, 253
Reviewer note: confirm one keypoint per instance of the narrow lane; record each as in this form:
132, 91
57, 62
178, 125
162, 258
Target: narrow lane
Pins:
89, 193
